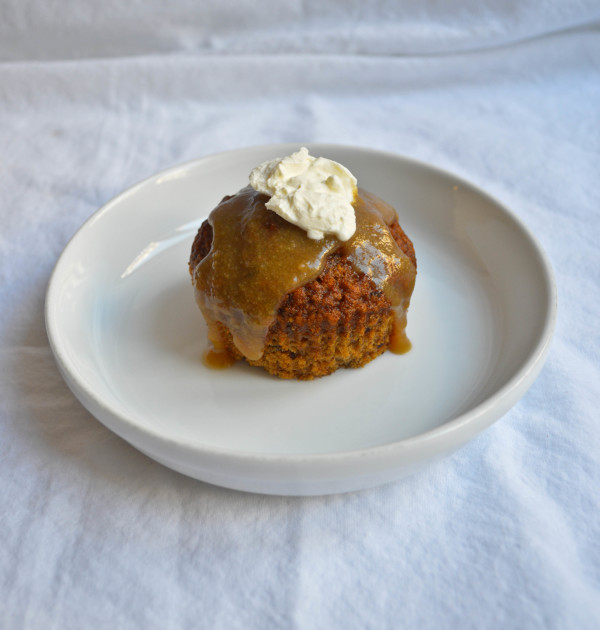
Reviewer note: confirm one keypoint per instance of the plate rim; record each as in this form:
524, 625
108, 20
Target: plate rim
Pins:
502, 398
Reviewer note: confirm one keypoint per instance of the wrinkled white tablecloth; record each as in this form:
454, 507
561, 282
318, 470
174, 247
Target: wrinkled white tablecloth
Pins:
96, 96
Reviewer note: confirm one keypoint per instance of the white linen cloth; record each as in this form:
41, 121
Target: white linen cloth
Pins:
95, 96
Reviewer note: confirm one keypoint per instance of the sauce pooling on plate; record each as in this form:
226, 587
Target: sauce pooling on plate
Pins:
257, 258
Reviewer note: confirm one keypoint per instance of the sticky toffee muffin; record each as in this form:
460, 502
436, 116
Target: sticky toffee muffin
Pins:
301, 307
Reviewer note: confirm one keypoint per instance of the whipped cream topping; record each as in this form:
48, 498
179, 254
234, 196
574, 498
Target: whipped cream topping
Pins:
316, 194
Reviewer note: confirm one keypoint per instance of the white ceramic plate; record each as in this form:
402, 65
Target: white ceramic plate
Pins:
128, 337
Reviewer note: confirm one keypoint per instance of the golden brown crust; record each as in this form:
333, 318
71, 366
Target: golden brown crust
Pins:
201, 245
338, 320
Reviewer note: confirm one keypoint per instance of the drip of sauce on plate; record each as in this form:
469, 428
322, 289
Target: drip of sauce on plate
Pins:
257, 258
399, 342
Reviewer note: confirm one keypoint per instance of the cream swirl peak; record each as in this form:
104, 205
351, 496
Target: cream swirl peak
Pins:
316, 194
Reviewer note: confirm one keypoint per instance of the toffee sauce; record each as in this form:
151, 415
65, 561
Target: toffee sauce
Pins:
257, 258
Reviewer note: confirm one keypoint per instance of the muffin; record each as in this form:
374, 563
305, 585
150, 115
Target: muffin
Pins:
302, 277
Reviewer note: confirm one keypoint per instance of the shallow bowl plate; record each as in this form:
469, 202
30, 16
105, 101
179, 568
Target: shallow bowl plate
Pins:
128, 337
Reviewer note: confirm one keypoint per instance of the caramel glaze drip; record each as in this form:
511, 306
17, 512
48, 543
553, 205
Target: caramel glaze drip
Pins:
257, 258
